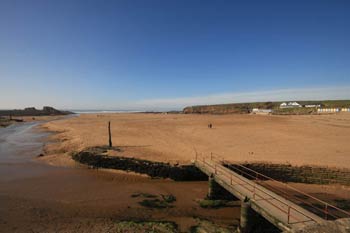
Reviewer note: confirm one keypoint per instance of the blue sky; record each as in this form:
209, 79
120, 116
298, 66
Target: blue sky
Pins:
138, 54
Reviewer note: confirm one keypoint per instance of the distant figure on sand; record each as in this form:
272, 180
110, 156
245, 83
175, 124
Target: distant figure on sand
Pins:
210, 126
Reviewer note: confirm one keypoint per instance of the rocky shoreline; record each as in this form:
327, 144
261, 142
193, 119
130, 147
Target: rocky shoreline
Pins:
9, 117
96, 157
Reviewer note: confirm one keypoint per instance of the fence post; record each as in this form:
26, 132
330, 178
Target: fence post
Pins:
109, 134
326, 211
254, 191
288, 213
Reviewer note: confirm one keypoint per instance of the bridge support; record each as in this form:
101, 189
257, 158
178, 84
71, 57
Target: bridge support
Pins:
214, 188
248, 217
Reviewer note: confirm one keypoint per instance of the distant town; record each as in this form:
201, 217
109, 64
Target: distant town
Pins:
319, 108
278, 108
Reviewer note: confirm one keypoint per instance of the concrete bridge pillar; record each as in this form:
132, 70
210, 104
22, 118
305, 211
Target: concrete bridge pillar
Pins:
248, 217
214, 188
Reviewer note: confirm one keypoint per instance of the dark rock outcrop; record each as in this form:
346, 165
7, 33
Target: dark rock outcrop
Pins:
31, 111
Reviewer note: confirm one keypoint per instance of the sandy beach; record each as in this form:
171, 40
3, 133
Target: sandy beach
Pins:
310, 139
68, 197
174, 116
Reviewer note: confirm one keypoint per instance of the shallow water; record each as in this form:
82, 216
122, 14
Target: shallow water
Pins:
19, 144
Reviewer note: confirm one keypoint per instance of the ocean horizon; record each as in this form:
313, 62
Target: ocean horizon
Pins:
103, 111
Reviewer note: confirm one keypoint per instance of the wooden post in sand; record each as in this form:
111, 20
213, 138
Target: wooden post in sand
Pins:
109, 134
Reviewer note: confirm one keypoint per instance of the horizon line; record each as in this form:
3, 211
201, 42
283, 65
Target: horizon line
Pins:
276, 95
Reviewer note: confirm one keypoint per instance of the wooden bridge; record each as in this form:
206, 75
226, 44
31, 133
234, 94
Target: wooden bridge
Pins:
245, 183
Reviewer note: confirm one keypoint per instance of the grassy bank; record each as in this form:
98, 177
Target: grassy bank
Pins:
247, 107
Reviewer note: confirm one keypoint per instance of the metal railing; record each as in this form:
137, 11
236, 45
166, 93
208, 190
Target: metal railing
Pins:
317, 206
254, 190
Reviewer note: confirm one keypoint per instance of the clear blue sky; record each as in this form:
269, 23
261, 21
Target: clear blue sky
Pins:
170, 53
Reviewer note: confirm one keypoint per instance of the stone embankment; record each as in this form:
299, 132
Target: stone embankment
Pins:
96, 158
302, 174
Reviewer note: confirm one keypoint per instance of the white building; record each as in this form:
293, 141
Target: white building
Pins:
290, 105
312, 105
330, 110
283, 105
261, 111
327, 110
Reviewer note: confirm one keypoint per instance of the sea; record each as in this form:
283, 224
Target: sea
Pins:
77, 111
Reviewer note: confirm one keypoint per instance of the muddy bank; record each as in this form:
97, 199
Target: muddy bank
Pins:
97, 158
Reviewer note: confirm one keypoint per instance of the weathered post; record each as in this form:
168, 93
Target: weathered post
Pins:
109, 134
248, 217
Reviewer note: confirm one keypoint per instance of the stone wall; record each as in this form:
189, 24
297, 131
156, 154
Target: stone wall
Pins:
302, 174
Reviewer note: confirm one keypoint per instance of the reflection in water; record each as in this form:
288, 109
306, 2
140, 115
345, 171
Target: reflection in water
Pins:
19, 145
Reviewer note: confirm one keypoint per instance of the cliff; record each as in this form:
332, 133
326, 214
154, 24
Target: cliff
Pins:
240, 108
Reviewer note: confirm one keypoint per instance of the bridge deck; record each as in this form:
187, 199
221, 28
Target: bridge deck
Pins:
283, 213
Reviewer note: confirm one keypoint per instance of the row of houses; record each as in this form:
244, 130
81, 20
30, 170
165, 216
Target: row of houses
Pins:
297, 105
325, 110
318, 106
290, 105
320, 109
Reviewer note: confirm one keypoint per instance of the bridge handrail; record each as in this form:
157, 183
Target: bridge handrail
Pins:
312, 205
273, 188
326, 204
289, 215
278, 199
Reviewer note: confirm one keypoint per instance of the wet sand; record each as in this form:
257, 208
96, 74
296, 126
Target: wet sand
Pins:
36, 197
